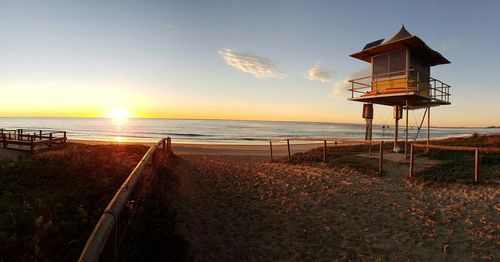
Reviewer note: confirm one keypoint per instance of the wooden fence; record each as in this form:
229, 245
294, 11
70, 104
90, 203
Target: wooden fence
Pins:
335, 141
104, 241
476, 151
31, 138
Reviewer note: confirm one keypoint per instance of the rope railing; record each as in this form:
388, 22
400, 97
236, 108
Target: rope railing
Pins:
335, 141
105, 232
476, 151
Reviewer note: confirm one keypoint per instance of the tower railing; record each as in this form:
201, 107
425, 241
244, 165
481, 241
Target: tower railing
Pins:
414, 82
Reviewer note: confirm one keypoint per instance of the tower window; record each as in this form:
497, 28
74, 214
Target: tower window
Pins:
390, 65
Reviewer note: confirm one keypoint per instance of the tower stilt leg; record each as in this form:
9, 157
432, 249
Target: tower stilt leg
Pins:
406, 131
396, 133
428, 125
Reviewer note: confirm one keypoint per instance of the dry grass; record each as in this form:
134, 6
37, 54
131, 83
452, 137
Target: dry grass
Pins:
50, 202
458, 166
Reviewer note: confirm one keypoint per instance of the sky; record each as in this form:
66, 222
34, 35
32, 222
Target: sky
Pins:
255, 60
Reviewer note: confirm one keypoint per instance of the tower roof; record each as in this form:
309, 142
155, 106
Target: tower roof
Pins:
402, 33
401, 39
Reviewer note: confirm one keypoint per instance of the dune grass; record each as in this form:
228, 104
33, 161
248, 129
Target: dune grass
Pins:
454, 166
458, 166
50, 202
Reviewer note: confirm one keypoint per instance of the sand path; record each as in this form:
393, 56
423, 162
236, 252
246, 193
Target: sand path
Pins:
233, 208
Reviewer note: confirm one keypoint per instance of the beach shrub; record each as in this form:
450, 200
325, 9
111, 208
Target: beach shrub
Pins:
50, 202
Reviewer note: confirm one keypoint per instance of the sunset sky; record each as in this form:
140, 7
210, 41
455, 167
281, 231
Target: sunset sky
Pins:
267, 60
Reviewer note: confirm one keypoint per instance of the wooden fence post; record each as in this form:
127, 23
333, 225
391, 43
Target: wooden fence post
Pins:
412, 158
164, 145
476, 166
324, 152
271, 149
169, 143
4, 138
40, 134
288, 145
32, 146
370, 149
50, 139
381, 157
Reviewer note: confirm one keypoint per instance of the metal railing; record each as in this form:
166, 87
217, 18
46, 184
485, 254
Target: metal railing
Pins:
416, 81
336, 141
105, 237
476, 151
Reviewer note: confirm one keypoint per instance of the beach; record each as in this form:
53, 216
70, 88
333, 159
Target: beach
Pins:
233, 208
279, 149
231, 203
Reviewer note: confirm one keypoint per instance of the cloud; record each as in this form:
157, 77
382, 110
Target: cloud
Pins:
317, 73
169, 26
341, 87
257, 66
453, 43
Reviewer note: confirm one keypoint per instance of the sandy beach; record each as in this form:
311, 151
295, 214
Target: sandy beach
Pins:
230, 203
279, 149
233, 208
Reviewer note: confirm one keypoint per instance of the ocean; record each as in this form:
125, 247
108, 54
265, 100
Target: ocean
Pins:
215, 131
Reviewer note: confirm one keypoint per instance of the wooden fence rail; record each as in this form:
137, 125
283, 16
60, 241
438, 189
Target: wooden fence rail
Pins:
105, 231
476, 151
31, 139
335, 141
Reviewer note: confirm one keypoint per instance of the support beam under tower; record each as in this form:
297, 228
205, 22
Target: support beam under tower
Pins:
428, 125
406, 130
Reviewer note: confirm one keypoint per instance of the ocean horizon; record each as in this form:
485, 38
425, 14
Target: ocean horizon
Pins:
216, 131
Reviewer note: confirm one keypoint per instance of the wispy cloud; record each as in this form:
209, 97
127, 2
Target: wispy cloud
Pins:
341, 87
317, 73
453, 43
257, 66
169, 26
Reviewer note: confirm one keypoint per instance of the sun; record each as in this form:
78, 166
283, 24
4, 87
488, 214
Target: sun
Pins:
119, 115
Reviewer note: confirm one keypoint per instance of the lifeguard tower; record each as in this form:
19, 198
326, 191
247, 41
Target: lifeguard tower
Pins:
400, 78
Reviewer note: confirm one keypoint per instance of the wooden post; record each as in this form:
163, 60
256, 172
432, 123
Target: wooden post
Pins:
324, 151
396, 130
4, 138
406, 131
50, 139
271, 149
381, 157
40, 134
288, 145
32, 146
163, 144
412, 156
476, 166
169, 143
428, 126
